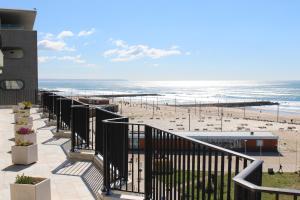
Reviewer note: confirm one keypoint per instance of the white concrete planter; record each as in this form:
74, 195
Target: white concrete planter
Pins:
28, 120
26, 137
15, 109
21, 105
40, 191
26, 113
24, 155
17, 127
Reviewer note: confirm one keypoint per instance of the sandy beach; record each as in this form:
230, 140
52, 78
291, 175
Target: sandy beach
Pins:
233, 119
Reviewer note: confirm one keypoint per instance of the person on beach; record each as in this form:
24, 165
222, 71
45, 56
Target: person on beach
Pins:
280, 169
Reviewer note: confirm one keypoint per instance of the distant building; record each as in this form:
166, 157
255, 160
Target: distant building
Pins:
238, 141
18, 57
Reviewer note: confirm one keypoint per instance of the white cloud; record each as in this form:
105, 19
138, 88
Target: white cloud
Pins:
43, 59
86, 33
54, 45
120, 43
77, 59
174, 47
125, 52
91, 65
65, 34
48, 36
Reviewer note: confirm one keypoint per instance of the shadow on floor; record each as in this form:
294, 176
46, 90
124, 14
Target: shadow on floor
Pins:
64, 143
51, 141
16, 168
90, 174
66, 146
275, 154
86, 170
12, 139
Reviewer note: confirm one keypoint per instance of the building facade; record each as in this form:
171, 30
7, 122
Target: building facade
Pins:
237, 141
18, 57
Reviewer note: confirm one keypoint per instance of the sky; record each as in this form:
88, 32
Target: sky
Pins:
167, 40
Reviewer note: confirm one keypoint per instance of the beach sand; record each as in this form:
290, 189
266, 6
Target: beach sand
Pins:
233, 119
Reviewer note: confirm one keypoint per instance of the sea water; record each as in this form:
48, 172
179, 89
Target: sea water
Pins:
287, 93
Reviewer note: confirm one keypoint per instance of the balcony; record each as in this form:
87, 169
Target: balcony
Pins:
157, 164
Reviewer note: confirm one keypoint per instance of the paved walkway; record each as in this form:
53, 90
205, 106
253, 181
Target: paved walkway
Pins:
69, 180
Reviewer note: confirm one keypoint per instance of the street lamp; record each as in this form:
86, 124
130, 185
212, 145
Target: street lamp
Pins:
189, 111
245, 143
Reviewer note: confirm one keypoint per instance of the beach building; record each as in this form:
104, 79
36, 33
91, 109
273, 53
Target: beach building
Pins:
18, 56
238, 141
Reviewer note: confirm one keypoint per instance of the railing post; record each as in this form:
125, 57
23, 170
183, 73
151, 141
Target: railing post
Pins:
148, 163
58, 113
72, 129
106, 169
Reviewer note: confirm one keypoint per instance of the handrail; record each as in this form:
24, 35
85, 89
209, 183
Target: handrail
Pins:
240, 179
214, 147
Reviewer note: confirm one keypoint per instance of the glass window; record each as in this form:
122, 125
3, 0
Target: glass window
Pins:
13, 53
12, 84
1, 59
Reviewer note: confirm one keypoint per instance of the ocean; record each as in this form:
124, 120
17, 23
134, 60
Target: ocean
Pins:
287, 93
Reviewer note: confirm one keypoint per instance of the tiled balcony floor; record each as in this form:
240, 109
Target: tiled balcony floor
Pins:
69, 180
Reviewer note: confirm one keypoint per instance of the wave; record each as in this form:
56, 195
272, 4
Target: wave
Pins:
287, 93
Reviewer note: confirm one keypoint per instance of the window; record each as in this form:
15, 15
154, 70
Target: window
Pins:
12, 84
259, 143
13, 53
1, 59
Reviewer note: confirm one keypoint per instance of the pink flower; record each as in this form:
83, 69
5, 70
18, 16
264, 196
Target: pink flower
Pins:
24, 131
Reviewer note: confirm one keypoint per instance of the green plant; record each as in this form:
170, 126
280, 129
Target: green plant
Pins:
27, 104
21, 123
23, 143
22, 179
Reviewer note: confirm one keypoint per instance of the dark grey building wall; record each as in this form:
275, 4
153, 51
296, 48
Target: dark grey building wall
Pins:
24, 68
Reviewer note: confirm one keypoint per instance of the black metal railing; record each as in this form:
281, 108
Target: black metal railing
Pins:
246, 187
80, 128
101, 115
161, 165
63, 113
171, 166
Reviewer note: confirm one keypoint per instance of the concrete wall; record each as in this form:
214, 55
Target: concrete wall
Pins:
24, 68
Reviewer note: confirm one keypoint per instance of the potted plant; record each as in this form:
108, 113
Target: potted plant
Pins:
26, 134
26, 105
33, 188
22, 114
15, 109
23, 122
23, 109
24, 153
